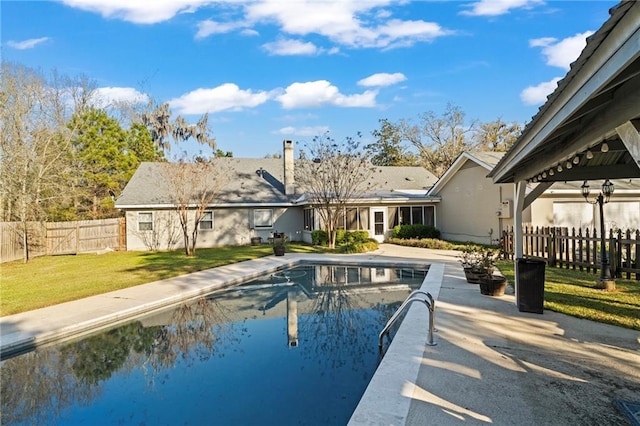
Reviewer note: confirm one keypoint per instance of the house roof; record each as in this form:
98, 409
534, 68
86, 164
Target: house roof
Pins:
259, 182
485, 159
588, 108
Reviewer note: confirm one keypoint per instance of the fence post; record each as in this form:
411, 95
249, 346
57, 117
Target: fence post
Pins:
122, 230
552, 246
613, 257
637, 260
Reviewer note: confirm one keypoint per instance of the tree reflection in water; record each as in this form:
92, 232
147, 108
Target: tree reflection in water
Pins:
340, 314
38, 385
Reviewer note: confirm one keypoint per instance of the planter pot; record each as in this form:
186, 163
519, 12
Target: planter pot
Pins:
278, 250
256, 241
472, 276
493, 285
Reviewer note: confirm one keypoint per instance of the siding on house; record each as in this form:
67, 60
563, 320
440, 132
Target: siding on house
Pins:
470, 205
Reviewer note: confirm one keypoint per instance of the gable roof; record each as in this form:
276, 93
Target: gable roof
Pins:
485, 159
598, 95
259, 182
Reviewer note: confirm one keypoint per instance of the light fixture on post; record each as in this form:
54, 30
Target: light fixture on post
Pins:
606, 280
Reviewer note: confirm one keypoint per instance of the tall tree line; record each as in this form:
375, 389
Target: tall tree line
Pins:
435, 141
64, 157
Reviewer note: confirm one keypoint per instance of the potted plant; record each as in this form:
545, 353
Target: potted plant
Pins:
279, 240
490, 284
479, 267
256, 240
476, 261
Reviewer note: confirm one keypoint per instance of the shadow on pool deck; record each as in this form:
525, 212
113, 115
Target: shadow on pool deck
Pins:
496, 365
492, 364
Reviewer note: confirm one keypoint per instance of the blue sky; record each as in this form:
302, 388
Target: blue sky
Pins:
270, 70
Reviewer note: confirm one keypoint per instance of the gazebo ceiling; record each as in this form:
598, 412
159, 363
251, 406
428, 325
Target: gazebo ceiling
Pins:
576, 134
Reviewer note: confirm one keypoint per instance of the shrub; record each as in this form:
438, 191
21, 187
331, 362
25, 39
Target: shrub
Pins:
415, 231
358, 247
431, 243
356, 237
320, 237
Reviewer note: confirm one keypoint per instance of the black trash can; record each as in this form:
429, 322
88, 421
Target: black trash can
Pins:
530, 292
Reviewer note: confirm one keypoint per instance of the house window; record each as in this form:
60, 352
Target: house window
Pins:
363, 220
413, 215
404, 218
352, 219
340, 217
145, 221
206, 223
416, 215
429, 215
263, 218
309, 220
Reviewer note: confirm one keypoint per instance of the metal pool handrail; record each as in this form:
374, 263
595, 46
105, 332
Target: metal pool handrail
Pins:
430, 304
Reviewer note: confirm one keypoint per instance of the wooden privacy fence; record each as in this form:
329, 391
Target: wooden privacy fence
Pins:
54, 238
576, 249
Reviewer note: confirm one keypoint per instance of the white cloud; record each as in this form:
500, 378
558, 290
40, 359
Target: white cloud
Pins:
138, 11
291, 47
498, 7
536, 95
319, 93
209, 27
227, 96
309, 131
382, 79
353, 23
27, 44
106, 96
561, 53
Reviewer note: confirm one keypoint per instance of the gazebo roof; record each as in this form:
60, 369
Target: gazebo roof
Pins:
588, 128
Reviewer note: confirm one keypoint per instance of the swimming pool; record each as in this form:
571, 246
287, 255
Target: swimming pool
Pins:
295, 347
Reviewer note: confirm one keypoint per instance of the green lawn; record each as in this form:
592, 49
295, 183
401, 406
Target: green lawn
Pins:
572, 292
49, 280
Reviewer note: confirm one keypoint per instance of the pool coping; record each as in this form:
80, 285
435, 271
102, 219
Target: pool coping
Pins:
382, 402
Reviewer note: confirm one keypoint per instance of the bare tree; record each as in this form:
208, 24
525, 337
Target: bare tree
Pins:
337, 175
193, 189
440, 139
497, 135
35, 143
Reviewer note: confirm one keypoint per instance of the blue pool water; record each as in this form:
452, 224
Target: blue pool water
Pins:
295, 347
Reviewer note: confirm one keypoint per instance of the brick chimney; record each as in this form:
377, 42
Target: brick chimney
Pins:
287, 155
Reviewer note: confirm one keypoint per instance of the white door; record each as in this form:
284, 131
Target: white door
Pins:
378, 223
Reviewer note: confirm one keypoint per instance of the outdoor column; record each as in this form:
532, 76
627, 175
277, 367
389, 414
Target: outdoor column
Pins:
518, 208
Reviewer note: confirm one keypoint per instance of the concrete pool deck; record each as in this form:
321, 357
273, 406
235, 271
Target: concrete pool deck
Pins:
492, 363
